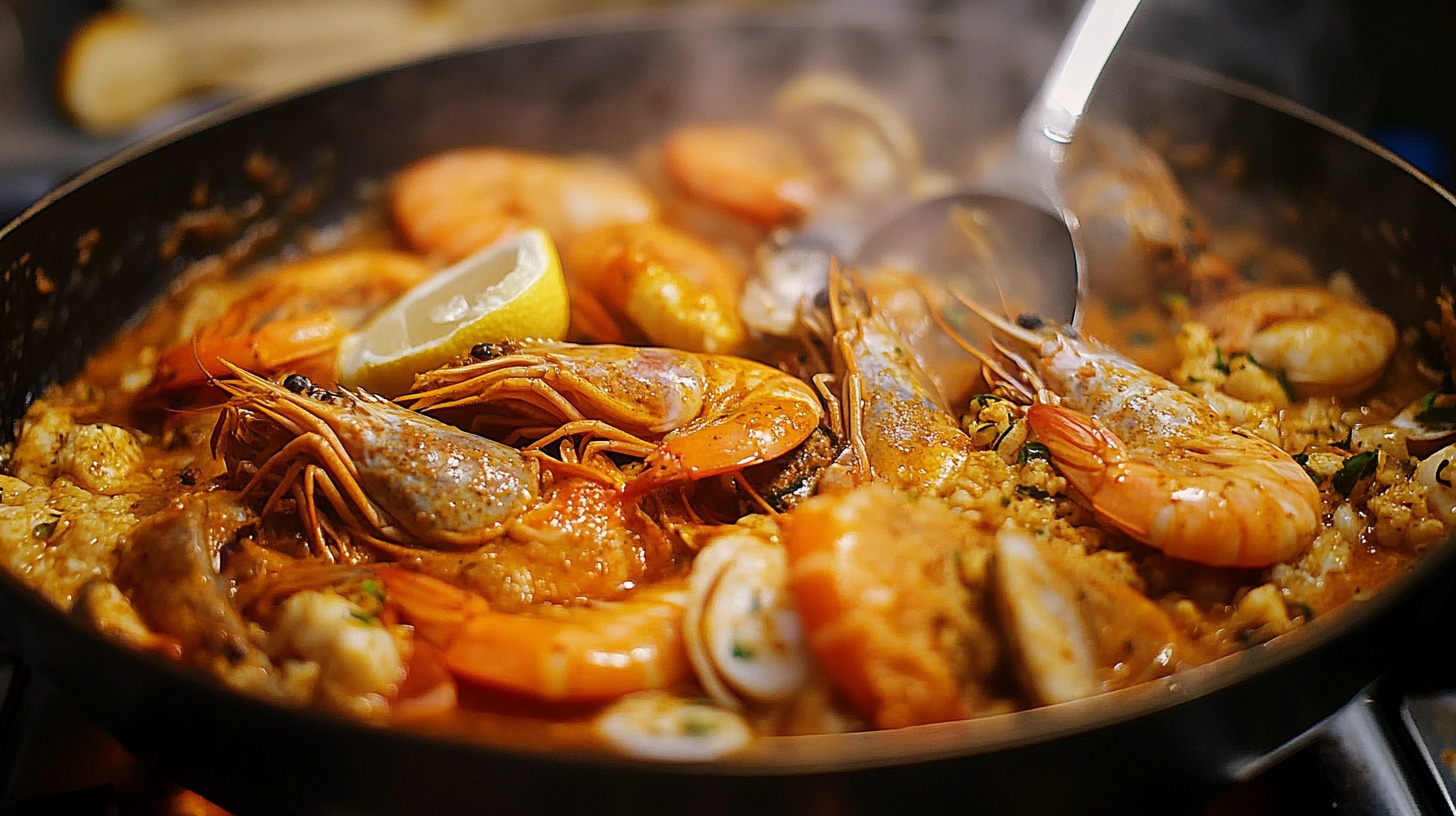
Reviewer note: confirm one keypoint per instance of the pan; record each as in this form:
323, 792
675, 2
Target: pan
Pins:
86, 260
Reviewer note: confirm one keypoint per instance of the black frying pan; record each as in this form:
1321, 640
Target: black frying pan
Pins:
109, 243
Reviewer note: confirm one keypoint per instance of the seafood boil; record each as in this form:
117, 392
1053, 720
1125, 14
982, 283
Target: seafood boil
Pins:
752, 491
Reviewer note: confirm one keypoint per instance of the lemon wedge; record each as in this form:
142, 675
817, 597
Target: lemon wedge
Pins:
513, 288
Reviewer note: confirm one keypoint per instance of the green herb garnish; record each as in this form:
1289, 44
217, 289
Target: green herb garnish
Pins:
1219, 363
1033, 451
1354, 469
1284, 383
698, 726
1437, 408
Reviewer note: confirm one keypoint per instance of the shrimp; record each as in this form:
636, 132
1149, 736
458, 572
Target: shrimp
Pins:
754, 172
1158, 463
875, 576
581, 539
674, 288
589, 653
447, 502
293, 318
1324, 344
687, 416
387, 472
901, 432
454, 203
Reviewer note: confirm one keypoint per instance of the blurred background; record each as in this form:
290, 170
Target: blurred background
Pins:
80, 79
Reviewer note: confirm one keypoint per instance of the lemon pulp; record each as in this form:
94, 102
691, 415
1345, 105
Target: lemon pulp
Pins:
512, 289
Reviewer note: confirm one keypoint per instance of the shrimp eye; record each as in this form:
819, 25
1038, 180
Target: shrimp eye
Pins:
297, 383
487, 351
1030, 322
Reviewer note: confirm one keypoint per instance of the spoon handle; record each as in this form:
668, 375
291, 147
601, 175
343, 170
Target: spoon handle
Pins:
1050, 120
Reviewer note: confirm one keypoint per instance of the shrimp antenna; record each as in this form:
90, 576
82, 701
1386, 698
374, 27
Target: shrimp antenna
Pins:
966, 221
754, 496
835, 281
997, 321
956, 337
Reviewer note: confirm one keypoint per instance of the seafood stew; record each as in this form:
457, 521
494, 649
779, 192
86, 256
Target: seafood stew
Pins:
848, 305
689, 523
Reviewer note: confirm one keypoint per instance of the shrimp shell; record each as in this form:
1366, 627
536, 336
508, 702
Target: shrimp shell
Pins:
1159, 464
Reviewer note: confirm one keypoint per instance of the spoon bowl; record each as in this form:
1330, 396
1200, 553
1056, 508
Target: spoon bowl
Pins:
988, 247
1009, 238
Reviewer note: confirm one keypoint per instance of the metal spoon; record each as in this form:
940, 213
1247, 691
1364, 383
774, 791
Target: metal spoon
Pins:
1012, 226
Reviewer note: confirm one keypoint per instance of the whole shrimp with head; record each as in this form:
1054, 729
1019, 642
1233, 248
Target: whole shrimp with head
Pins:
872, 565
1159, 464
365, 479
687, 416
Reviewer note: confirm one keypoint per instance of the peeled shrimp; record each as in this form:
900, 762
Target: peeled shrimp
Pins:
755, 172
674, 288
1325, 345
875, 577
589, 653
453, 203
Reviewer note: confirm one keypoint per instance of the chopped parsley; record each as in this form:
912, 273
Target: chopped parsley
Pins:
373, 588
698, 726
1283, 377
742, 651
1219, 363
1032, 492
1437, 409
1354, 469
1033, 451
